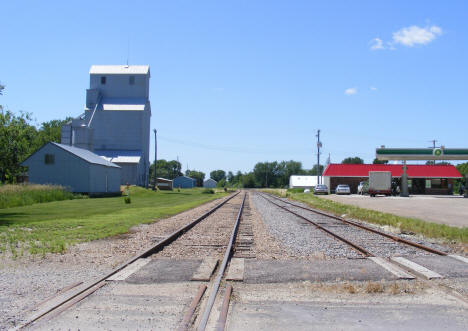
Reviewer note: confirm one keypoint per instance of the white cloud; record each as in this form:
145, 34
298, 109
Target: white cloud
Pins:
414, 35
376, 44
350, 91
372, 88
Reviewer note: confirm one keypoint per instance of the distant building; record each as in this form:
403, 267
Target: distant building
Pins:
210, 183
116, 120
422, 179
164, 184
184, 182
75, 168
302, 181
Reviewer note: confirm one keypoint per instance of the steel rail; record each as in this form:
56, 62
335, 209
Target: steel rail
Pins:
396, 238
227, 255
361, 250
159, 246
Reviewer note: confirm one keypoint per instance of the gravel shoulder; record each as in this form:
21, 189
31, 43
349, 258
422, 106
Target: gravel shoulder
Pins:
28, 280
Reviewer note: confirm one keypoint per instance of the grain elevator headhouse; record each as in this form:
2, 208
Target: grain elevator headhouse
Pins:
116, 121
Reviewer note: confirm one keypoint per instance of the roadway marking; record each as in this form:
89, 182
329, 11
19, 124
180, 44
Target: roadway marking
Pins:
129, 270
397, 271
459, 258
205, 270
236, 269
416, 268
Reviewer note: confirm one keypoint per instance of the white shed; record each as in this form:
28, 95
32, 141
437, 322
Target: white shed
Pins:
300, 181
75, 168
209, 183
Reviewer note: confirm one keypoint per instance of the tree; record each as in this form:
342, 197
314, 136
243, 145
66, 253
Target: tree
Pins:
197, 175
230, 176
51, 131
17, 142
433, 162
313, 171
166, 169
217, 175
377, 161
353, 160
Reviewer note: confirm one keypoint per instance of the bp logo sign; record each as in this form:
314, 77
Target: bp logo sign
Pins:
437, 152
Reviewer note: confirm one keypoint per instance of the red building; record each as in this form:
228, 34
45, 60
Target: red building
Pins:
422, 179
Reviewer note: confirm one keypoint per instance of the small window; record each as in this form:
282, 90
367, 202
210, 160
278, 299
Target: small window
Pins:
103, 80
131, 80
49, 159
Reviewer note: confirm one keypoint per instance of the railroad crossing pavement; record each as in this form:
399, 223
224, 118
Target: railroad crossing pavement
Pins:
442, 209
306, 307
273, 294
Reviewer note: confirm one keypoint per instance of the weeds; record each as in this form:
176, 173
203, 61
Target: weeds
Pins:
28, 194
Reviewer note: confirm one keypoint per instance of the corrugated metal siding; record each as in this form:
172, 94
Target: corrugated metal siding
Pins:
71, 171
183, 182
209, 183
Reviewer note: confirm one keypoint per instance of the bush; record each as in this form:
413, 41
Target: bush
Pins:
296, 190
127, 200
28, 194
208, 191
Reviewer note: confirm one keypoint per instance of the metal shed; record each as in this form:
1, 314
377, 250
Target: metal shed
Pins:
75, 168
183, 182
209, 183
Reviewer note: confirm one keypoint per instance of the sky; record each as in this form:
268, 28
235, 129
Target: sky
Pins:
234, 83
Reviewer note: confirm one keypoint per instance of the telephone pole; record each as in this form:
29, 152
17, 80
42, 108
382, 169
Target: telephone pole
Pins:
319, 145
155, 158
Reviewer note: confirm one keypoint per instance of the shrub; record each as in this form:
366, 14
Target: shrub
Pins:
127, 199
208, 191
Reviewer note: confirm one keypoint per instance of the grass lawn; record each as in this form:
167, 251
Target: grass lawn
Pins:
406, 224
50, 227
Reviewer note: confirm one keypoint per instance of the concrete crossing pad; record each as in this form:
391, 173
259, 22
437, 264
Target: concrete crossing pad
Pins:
416, 268
236, 269
400, 273
129, 270
281, 271
205, 270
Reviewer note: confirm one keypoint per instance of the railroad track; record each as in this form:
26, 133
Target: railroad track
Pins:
193, 314
368, 242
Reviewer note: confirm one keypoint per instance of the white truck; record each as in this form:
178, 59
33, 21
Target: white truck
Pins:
380, 182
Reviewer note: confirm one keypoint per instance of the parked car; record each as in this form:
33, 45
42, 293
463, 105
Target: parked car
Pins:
343, 189
363, 188
321, 189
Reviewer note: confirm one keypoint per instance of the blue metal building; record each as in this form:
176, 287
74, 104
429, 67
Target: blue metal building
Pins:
75, 168
116, 120
183, 182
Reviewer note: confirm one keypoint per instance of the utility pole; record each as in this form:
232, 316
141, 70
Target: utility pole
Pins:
155, 158
433, 147
319, 145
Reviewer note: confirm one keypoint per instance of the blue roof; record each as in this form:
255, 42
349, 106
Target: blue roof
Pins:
86, 155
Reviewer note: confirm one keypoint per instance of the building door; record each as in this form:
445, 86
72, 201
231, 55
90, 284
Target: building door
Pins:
419, 186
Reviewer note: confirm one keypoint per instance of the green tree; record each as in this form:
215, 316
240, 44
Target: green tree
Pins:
353, 160
50, 131
313, 171
377, 161
197, 175
166, 169
217, 175
230, 177
17, 142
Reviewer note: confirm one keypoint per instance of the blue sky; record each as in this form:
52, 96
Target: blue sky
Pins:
234, 83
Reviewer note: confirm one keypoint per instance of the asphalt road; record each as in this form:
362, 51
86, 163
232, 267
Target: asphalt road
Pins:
443, 209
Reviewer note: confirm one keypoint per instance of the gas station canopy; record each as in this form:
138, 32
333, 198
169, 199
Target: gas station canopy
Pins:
404, 154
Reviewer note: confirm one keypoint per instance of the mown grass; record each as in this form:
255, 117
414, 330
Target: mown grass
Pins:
28, 194
404, 224
51, 227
